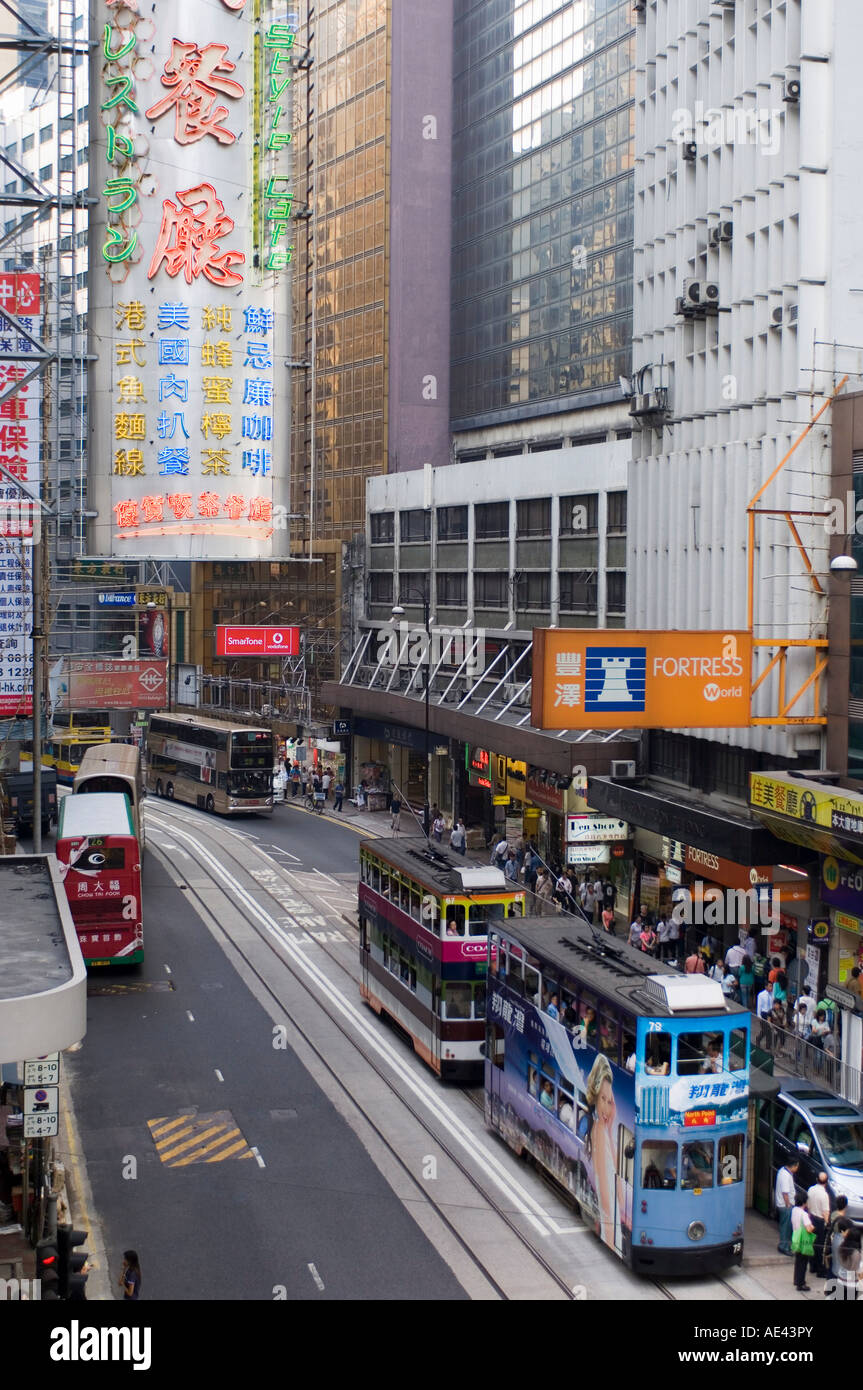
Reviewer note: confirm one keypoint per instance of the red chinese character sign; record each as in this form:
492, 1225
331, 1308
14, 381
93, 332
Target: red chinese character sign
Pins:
189, 287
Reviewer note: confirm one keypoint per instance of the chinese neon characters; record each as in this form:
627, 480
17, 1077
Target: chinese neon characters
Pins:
189, 238
196, 76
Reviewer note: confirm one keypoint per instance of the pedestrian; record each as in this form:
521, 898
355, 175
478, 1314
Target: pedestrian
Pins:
634, 937
395, 813
438, 827
746, 981
694, 964
458, 837
338, 794
326, 782
763, 1007
361, 796
563, 892
304, 779
647, 939
674, 939
316, 781
598, 899
802, 1243
609, 894
849, 1256
532, 866
543, 891
130, 1275
663, 936
833, 1237
295, 780
783, 1196
608, 920
510, 868
854, 983
501, 850
818, 1206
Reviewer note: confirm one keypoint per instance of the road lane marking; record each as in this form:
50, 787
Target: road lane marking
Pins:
190, 1016
260, 1162
219, 1076
317, 1278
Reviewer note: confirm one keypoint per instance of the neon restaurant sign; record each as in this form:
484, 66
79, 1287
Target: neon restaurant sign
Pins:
189, 399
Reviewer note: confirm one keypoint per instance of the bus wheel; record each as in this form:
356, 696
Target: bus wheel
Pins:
169, 791
210, 804
159, 791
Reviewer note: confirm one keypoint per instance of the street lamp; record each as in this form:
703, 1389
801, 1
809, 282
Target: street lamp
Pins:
398, 612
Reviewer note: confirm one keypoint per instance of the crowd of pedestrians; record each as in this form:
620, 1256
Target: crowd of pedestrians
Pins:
816, 1231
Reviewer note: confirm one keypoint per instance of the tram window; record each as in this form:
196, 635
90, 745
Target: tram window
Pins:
385, 882
416, 903
496, 1044
385, 951
588, 1025
479, 996
697, 1052
568, 1010
737, 1058
405, 895
659, 1164
608, 1036
376, 876
731, 1160
657, 1054
533, 1081
627, 1047
565, 1106
457, 1001
454, 915
697, 1164
531, 983
477, 922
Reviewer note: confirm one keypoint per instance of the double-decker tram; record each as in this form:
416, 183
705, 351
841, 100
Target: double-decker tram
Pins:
100, 861
211, 763
629, 1083
114, 767
424, 919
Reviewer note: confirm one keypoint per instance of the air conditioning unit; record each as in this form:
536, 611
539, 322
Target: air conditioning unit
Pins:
722, 232
689, 151
777, 316
653, 403
710, 296
791, 313
681, 307
622, 771
692, 293
700, 297
791, 88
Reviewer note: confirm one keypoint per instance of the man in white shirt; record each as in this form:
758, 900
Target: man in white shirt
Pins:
784, 1195
663, 931
500, 850
804, 1012
734, 956
818, 1202
763, 1007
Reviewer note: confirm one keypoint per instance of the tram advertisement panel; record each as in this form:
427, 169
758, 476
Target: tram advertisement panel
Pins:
691, 1072
573, 1108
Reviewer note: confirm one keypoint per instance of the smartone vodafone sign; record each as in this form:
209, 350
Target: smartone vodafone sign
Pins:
257, 641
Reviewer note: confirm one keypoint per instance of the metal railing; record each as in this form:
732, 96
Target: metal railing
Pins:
794, 1056
262, 699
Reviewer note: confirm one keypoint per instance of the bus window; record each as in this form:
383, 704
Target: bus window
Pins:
737, 1058
454, 916
699, 1052
608, 1036
456, 1001
657, 1054
731, 1160
659, 1164
479, 995
697, 1164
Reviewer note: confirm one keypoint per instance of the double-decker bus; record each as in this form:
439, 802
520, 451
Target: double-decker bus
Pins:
211, 763
114, 767
100, 861
424, 918
629, 1083
85, 725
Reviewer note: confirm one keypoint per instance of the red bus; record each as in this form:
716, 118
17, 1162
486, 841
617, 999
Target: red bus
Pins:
100, 860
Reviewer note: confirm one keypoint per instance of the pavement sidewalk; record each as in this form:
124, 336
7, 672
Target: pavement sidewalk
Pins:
378, 824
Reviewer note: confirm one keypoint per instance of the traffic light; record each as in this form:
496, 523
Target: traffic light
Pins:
46, 1269
71, 1281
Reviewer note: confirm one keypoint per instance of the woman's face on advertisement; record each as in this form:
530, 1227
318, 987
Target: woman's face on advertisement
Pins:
605, 1103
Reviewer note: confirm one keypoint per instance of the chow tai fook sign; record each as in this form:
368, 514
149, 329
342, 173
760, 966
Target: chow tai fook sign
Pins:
116, 684
257, 641
608, 679
189, 289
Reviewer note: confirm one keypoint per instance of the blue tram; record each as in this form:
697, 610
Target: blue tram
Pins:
629, 1083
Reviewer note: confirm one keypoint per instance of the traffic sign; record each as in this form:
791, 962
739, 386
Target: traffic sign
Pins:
41, 1126
122, 600
42, 1071
41, 1100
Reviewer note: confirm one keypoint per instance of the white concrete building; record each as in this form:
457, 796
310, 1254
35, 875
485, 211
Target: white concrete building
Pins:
748, 207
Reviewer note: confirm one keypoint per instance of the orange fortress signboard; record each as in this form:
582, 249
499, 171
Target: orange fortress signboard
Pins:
610, 679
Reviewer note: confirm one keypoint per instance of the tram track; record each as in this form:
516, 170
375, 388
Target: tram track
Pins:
178, 824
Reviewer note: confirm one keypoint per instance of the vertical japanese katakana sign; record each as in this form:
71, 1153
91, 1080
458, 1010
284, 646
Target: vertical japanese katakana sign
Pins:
189, 284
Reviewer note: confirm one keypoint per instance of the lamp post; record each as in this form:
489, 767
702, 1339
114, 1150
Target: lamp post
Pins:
398, 612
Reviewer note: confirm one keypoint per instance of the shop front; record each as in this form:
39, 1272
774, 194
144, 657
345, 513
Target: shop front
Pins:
600, 847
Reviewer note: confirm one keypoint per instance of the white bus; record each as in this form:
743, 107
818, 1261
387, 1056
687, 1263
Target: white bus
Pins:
211, 763
114, 767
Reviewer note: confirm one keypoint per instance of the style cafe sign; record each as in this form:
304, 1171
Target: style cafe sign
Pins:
257, 641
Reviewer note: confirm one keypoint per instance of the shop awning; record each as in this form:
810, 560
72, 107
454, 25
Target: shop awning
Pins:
807, 811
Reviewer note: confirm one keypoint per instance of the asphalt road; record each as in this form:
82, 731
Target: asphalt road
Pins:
318, 1221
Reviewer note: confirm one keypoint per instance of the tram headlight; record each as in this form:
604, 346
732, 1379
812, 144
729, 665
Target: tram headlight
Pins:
695, 1230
